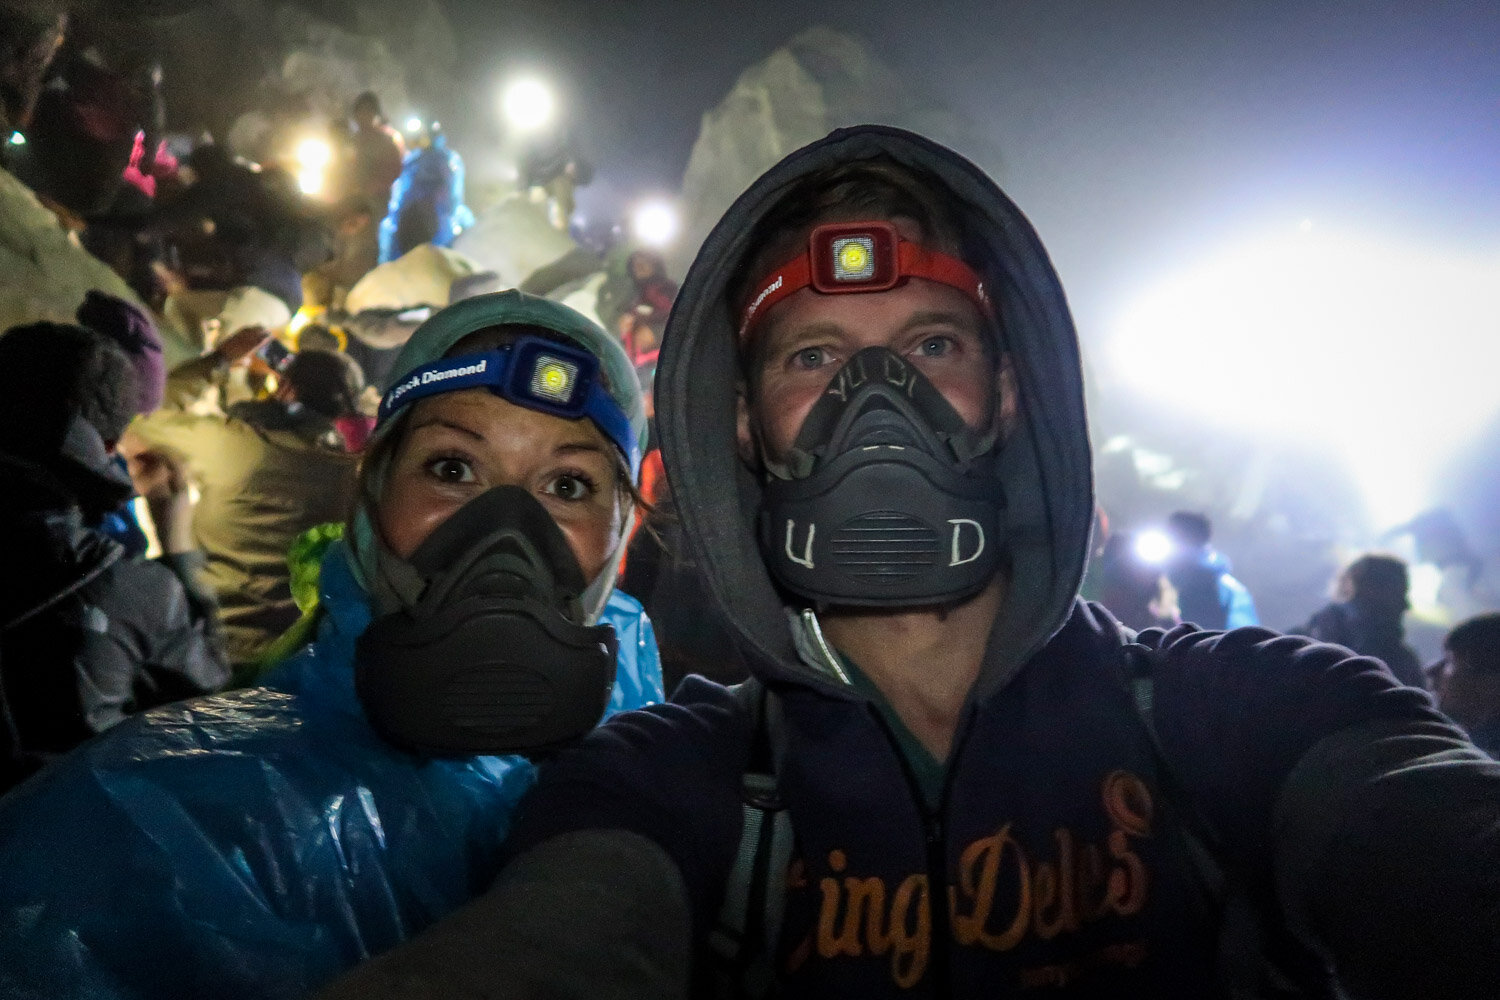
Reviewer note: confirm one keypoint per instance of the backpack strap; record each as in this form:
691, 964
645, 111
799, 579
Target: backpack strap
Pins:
1202, 844
743, 941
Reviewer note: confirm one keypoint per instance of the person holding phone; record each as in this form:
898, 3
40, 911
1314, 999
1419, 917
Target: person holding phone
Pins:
267, 470
257, 843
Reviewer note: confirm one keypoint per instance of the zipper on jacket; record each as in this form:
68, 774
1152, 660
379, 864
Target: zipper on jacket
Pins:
935, 850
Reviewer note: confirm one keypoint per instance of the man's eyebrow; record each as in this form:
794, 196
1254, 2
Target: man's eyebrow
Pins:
935, 317
440, 422
823, 328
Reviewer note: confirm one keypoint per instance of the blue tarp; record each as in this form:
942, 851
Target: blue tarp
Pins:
256, 843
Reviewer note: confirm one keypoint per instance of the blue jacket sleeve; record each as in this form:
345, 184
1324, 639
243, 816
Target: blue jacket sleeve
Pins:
638, 680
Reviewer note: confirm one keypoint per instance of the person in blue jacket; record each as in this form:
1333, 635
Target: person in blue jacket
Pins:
1208, 595
256, 843
427, 200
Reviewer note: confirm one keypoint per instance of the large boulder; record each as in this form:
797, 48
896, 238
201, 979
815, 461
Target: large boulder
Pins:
45, 272
819, 81
515, 240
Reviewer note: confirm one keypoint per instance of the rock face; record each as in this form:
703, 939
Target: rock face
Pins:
514, 239
819, 81
45, 274
300, 59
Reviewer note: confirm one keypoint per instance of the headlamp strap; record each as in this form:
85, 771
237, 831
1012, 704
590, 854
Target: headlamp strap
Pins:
533, 372
907, 260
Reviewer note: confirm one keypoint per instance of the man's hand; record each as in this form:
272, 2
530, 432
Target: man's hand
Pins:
160, 480
241, 343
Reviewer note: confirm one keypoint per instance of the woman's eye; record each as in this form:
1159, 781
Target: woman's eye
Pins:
809, 358
451, 470
571, 487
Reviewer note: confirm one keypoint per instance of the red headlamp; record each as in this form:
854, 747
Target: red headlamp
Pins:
847, 257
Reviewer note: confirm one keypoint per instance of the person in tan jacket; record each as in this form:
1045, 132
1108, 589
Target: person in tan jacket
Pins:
266, 471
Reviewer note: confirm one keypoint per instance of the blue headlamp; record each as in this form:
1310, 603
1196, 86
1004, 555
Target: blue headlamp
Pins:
539, 374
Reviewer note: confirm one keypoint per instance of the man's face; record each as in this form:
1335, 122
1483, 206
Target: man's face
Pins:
809, 336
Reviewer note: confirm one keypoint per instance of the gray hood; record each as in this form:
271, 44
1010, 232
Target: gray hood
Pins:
1046, 475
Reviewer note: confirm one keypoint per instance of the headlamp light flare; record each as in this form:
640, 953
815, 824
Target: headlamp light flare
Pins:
854, 258
553, 379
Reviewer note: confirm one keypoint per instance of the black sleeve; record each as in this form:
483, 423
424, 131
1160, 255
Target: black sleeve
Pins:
590, 915
670, 773
166, 648
1388, 841
1378, 818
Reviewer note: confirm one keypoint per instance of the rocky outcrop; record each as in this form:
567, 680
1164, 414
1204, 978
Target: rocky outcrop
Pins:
514, 239
819, 81
45, 273
270, 60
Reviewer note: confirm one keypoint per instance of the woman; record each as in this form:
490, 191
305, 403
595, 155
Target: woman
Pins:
257, 843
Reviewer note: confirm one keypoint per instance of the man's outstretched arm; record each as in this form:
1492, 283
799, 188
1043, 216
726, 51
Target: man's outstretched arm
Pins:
587, 915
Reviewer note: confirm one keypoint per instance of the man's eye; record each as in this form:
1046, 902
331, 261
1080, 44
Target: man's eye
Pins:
451, 470
571, 487
935, 347
809, 358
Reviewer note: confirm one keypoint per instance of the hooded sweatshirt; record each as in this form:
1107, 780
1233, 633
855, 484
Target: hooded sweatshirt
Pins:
1081, 842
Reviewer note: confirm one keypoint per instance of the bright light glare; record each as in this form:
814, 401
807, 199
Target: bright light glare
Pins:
1383, 351
313, 158
413, 125
314, 153
529, 104
655, 224
17, 139
1152, 547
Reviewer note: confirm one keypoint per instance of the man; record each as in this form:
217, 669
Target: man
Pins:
1367, 615
1207, 595
872, 413
268, 470
88, 633
1468, 680
377, 152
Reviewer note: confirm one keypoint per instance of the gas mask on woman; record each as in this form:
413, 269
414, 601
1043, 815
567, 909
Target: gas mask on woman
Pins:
489, 654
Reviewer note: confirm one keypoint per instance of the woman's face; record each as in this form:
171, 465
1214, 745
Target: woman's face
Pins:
460, 444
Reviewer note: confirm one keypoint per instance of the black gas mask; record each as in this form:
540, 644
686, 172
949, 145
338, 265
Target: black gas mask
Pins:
887, 498
490, 657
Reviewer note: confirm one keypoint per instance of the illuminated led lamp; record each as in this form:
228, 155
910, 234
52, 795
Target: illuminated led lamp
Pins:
17, 139
849, 257
1153, 547
553, 378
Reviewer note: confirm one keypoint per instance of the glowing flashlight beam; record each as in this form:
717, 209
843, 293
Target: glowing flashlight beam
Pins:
529, 104
1152, 547
655, 224
313, 158
1383, 351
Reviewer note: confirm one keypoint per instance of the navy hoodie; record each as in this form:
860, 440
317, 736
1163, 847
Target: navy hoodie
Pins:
1357, 832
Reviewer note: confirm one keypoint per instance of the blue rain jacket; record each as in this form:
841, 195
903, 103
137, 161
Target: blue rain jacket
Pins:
256, 843
434, 174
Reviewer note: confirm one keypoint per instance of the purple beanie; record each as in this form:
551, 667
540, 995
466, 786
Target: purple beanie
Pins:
130, 327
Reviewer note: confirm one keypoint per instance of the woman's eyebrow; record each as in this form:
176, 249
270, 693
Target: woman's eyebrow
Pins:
573, 447
440, 422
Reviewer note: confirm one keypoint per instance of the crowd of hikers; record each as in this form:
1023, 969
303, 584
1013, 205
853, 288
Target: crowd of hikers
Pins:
327, 656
